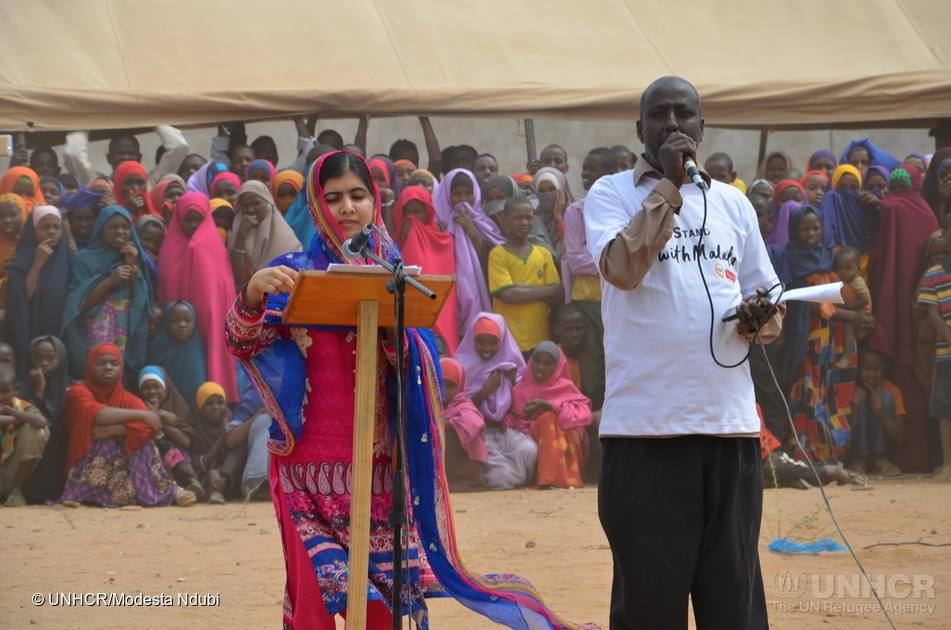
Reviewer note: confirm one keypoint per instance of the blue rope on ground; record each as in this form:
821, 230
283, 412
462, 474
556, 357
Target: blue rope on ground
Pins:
784, 545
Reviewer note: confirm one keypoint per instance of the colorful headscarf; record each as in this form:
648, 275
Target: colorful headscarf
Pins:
49, 179
123, 171
845, 220
781, 187
292, 178
40, 212
200, 180
572, 407
900, 174
461, 413
206, 391
41, 314
85, 400
432, 249
876, 156
801, 260
760, 182
82, 198
158, 193
810, 165
224, 177
471, 288
478, 371
816, 172
92, 265
262, 165
183, 360
197, 269
329, 228
841, 170
872, 170
13, 175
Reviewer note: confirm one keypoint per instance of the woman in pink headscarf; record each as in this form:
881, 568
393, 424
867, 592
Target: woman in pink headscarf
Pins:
422, 243
194, 266
547, 405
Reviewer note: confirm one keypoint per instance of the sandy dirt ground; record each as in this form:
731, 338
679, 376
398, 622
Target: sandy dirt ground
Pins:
551, 537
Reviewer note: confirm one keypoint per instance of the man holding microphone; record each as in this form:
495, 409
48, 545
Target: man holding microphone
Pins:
680, 498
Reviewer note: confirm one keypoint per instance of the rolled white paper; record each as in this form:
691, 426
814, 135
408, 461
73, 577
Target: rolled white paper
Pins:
820, 294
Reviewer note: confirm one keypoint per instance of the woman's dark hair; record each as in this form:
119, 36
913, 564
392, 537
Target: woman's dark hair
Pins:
340, 163
461, 180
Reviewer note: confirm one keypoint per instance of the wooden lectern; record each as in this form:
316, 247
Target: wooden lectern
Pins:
345, 298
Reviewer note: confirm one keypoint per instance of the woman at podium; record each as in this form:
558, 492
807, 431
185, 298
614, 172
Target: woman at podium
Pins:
306, 376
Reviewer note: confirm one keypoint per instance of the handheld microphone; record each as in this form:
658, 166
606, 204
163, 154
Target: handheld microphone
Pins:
353, 247
693, 172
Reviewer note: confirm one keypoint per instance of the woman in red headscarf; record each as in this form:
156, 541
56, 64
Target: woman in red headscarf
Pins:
897, 261
111, 460
194, 266
131, 190
166, 194
422, 243
23, 181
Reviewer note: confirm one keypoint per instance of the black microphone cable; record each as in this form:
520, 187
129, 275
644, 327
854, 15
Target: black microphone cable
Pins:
758, 341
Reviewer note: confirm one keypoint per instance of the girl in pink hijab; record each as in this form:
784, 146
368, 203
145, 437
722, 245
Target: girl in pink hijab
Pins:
547, 406
194, 266
465, 435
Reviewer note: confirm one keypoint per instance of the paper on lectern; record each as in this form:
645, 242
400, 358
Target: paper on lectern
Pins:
411, 270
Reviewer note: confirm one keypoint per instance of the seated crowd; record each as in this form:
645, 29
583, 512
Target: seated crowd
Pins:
117, 387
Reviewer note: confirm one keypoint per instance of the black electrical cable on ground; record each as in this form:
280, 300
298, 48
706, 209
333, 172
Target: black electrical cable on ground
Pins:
772, 373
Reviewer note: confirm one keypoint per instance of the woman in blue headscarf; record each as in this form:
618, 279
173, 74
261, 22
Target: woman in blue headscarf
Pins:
180, 350
39, 272
813, 342
305, 376
110, 293
81, 210
850, 215
863, 153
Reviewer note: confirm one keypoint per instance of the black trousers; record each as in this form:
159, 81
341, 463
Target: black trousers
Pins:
682, 516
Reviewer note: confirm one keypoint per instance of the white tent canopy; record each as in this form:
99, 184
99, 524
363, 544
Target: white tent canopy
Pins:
107, 64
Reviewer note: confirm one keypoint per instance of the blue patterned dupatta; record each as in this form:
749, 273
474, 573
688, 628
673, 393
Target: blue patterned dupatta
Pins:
279, 375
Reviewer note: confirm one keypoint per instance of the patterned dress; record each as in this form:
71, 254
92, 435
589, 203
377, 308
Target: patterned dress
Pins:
312, 485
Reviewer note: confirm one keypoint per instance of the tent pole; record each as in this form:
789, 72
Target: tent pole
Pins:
530, 139
763, 137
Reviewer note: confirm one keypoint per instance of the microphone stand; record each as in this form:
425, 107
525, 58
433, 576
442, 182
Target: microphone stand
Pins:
399, 516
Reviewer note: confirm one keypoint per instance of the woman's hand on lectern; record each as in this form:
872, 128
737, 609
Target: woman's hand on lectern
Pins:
269, 280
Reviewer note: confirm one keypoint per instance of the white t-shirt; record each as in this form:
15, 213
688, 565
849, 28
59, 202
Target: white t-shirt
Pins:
661, 379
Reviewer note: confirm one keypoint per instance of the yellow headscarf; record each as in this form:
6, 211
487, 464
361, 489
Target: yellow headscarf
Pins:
206, 391
289, 176
841, 170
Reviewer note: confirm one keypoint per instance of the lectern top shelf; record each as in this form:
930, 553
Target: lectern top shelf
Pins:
332, 298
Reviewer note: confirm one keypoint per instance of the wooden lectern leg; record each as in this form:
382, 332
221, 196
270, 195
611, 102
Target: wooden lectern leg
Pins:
362, 470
